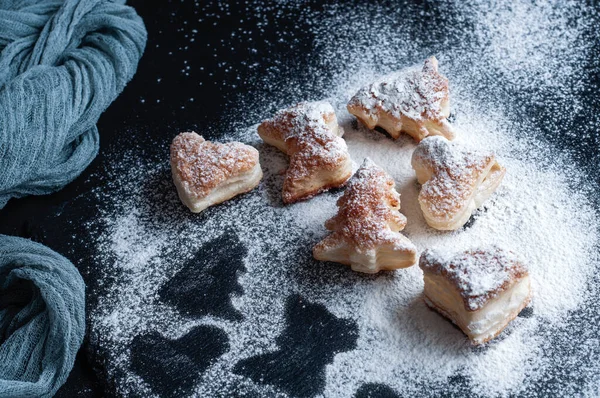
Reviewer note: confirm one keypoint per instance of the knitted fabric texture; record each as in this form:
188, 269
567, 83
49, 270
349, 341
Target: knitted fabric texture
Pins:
42, 318
61, 64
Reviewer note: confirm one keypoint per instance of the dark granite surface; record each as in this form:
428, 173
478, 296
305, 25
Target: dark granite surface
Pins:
162, 108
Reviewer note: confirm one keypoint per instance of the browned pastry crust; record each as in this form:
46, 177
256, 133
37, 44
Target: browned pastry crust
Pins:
481, 291
206, 173
366, 229
490, 337
310, 135
455, 181
414, 100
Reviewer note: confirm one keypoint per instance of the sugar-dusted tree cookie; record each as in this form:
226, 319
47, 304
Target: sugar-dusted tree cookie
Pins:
414, 100
365, 232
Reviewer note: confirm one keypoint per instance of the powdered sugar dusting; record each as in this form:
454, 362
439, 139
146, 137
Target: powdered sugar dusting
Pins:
449, 174
309, 133
544, 210
416, 92
479, 275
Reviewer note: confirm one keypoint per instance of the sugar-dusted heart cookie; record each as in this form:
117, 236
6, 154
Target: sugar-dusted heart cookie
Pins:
207, 173
414, 100
366, 229
481, 290
310, 135
455, 181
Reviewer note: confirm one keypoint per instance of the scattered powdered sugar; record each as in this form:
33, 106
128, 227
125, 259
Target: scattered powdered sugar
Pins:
544, 211
416, 92
308, 132
517, 38
201, 165
450, 175
479, 275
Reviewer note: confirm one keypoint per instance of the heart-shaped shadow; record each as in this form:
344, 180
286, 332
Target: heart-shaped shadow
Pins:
312, 337
203, 285
173, 367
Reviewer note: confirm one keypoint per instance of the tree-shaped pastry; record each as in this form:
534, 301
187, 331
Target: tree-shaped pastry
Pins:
366, 229
481, 291
455, 181
414, 100
207, 173
310, 135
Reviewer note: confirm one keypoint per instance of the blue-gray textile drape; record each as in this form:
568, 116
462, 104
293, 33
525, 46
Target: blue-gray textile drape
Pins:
61, 65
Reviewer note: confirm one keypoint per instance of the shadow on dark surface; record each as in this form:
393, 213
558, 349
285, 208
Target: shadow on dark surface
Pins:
374, 390
82, 381
309, 342
526, 312
204, 285
172, 367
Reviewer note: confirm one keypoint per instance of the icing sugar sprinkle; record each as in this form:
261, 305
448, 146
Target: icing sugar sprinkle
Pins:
479, 275
454, 172
316, 141
544, 210
415, 92
368, 213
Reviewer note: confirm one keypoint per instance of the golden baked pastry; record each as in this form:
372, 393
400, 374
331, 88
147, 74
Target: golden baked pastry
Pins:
455, 181
481, 291
414, 100
365, 230
310, 135
207, 173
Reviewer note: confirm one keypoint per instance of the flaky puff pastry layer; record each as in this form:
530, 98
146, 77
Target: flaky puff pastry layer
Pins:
481, 291
455, 181
309, 134
365, 232
207, 173
414, 101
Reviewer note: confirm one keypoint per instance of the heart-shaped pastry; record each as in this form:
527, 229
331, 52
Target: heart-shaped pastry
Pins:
207, 173
414, 100
455, 181
310, 135
366, 229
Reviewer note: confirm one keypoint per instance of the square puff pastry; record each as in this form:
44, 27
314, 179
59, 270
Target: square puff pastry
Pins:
414, 100
365, 230
481, 291
207, 173
309, 134
455, 181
